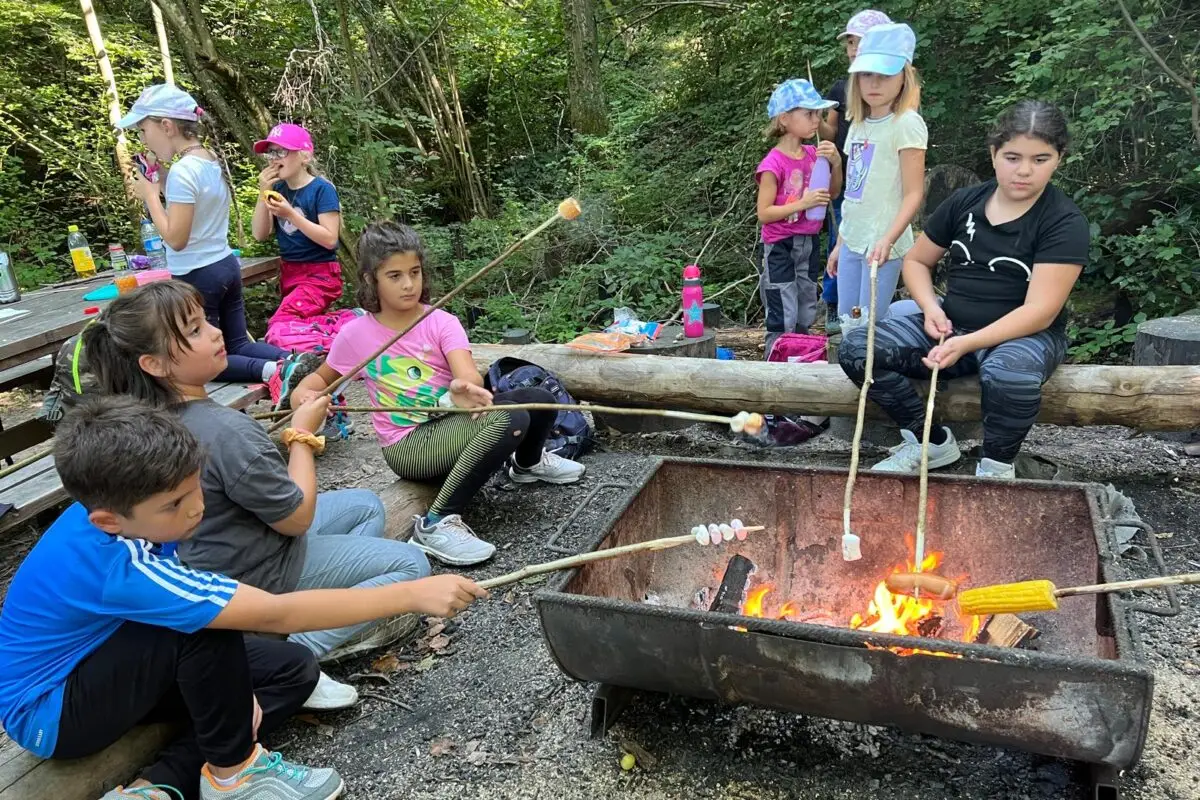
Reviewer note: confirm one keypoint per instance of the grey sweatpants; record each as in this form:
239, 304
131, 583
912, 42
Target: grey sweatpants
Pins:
788, 296
1011, 375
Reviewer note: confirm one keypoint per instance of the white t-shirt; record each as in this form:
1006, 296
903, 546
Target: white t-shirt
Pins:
200, 183
874, 189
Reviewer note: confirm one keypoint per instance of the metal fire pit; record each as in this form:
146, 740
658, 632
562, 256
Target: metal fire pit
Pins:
1083, 694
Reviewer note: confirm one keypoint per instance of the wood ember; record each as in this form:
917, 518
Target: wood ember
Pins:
931, 626
1006, 630
732, 590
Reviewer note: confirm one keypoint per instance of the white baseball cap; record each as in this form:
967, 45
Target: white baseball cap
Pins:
863, 21
161, 100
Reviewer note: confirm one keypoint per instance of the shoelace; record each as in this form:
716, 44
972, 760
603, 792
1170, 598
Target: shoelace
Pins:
285, 769
457, 528
148, 791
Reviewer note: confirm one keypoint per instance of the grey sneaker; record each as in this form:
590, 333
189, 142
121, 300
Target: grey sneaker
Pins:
450, 541
987, 468
269, 777
292, 369
552, 468
385, 634
906, 457
144, 793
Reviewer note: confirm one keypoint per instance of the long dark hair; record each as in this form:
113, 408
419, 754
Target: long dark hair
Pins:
379, 242
147, 321
1035, 118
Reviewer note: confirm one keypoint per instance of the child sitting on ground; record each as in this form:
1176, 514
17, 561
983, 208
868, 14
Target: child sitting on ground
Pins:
430, 364
265, 523
102, 631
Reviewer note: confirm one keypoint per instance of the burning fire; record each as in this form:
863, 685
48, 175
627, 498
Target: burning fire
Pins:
885, 613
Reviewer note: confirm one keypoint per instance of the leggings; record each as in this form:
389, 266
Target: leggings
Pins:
1011, 375
466, 451
854, 283
225, 307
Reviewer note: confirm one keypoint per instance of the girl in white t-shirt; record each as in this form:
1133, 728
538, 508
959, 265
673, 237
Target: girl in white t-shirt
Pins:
194, 225
885, 171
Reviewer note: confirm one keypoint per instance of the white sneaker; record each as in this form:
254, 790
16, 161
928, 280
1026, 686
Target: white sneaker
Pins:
987, 468
552, 468
906, 457
451, 541
142, 793
331, 695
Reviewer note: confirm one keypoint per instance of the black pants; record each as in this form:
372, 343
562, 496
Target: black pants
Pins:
206, 680
465, 451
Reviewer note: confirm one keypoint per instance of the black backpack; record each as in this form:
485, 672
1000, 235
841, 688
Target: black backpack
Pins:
571, 435
72, 379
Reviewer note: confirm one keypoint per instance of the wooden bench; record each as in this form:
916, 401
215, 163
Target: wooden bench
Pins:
36, 487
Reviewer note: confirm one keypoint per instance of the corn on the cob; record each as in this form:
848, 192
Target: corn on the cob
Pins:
1009, 598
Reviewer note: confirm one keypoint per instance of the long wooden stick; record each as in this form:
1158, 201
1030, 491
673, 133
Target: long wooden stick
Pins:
923, 495
25, 462
868, 377
629, 412
1187, 579
598, 555
567, 209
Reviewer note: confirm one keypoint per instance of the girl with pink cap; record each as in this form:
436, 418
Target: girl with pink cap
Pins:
304, 213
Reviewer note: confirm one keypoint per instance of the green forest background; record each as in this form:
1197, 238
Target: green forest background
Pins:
471, 119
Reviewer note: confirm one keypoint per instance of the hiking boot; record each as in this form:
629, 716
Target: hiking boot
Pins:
451, 541
906, 457
156, 792
385, 634
269, 777
331, 695
291, 370
551, 469
987, 468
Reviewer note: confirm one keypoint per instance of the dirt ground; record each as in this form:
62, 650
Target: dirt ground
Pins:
488, 714
479, 710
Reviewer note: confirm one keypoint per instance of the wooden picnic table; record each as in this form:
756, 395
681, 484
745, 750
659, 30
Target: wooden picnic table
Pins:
38, 323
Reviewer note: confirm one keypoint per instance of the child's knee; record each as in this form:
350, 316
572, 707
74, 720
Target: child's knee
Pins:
518, 423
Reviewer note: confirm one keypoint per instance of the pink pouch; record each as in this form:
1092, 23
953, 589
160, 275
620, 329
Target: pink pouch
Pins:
798, 348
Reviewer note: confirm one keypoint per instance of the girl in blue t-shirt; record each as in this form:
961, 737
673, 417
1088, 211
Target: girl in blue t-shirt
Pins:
303, 211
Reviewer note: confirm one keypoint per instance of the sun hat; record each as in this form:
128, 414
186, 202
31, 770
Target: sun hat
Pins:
288, 136
796, 93
885, 49
161, 100
863, 21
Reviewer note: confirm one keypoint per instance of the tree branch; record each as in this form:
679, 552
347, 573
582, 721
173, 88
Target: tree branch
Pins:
1187, 85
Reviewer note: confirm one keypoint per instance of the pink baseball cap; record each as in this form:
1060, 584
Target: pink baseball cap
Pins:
863, 21
288, 136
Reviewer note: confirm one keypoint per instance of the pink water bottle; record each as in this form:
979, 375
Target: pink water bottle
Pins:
818, 180
693, 302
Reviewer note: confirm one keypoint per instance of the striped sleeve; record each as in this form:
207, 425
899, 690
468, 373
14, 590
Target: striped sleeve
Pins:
143, 587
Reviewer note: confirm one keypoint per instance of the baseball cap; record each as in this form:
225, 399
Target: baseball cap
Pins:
885, 49
288, 136
863, 21
161, 100
796, 93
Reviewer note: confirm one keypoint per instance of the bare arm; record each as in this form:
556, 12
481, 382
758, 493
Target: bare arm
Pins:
462, 367
314, 384
919, 264
1049, 287
302, 468
829, 125
912, 183
767, 210
263, 224
324, 232
174, 223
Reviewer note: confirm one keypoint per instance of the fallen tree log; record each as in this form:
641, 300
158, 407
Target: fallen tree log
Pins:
1145, 398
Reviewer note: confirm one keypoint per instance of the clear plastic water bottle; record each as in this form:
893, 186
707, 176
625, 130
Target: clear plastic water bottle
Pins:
81, 253
819, 179
152, 243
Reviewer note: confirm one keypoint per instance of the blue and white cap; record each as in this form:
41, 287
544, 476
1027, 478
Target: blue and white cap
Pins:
885, 49
161, 100
796, 93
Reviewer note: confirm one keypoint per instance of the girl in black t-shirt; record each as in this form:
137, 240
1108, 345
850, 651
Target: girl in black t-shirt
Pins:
1016, 245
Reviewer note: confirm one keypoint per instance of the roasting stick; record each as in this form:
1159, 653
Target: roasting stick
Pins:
923, 495
1015, 598
568, 209
851, 544
599, 555
743, 421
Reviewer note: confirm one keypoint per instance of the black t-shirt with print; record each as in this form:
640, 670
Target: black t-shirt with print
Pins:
990, 265
838, 92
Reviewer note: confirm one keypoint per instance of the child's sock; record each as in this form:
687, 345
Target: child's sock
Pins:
431, 519
269, 369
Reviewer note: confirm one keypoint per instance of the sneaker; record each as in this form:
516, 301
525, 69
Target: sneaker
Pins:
987, 468
337, 427
331, 695
156, 792
291, 370
385, 634
269, 777
906, 457
551, 469
451, 541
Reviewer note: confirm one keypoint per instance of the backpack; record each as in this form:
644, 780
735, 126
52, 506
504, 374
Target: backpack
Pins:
72, 380
571, 435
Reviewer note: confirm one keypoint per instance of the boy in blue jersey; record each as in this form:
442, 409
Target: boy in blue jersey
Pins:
102, 630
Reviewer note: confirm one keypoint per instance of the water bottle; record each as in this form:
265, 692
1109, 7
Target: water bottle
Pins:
116, 257
818, 180
10, 290
81, 253
152, 243
693, 302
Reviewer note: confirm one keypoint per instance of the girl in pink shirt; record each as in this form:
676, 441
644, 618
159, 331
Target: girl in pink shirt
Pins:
431, 363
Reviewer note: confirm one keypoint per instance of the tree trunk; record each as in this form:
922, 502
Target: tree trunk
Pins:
124, 163
1146, 398
164, 48
1170, 340
589, 113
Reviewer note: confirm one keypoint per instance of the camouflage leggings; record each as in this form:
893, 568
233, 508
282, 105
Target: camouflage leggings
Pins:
1011, 375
